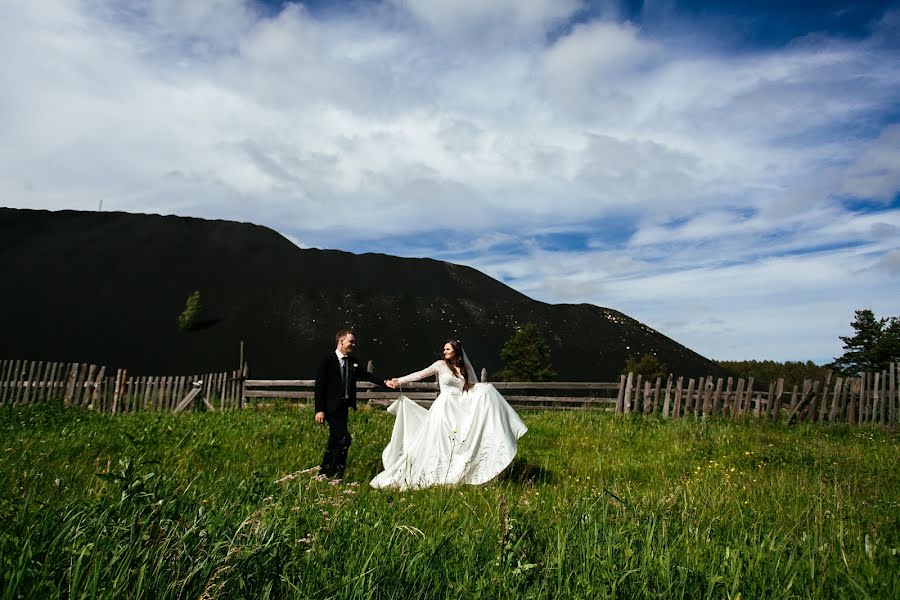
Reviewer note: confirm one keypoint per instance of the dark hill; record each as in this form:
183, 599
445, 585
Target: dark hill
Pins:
108, 287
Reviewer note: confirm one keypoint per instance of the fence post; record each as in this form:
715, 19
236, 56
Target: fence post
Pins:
244, 374
656, 389
665, 408
95, 390
676, 413
626, 397
70, 385
838, 384
738, 397
823, 402
779, 395
695, 406
813, 403
646, 406
893, 395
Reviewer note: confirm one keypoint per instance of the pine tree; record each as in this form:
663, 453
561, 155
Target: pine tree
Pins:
888, 349
526, 357
875, 344
192, 308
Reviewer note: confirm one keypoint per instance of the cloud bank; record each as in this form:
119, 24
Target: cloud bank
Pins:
743, 201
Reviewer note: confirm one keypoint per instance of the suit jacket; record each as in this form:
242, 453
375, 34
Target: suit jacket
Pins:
330, 385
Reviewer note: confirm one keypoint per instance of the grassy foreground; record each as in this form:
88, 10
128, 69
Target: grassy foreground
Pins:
156, 506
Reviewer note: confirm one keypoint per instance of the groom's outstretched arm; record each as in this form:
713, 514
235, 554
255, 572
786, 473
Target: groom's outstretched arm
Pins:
364, 375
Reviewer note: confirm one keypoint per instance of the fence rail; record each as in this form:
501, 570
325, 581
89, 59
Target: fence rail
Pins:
861, 399
867, 398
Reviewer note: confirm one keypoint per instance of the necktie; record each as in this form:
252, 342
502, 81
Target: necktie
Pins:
345, 375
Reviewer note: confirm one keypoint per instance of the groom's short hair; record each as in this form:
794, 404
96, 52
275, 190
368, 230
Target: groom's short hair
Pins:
341, 335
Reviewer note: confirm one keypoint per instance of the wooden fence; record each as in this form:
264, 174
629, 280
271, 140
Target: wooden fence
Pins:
528, 395
866, 398
98, 388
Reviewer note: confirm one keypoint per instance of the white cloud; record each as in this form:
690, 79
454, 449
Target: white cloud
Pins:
875, 173
463, 122
498, 20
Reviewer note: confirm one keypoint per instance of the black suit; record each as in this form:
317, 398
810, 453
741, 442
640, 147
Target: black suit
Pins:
335, 397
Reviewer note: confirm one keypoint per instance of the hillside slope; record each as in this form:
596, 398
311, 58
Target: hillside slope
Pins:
108, 287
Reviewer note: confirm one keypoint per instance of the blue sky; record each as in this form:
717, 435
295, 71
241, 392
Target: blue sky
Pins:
726, 172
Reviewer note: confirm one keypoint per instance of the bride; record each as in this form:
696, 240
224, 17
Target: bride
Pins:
468, 436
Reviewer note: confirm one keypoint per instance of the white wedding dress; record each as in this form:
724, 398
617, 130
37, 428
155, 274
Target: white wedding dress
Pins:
467, 436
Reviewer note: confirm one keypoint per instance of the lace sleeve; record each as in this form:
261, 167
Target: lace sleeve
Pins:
419, 375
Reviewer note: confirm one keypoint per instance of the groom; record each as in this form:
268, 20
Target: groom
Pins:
335, 394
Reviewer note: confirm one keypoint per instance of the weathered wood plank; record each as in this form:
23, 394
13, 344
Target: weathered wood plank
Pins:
195, 391
676, 412
177, 391
823, 404
863, 397
160, 393
88, 386
811, 406
727, 398
656, 389
689, 397
29, 383
96, 389
842, 406
47, 392
245, 372
117, 392
801, 403
794, 399
232, 381
892, 416
4, 367
738, 398
208, 384
769, 400
78, 394
710, 394
634, 403
40, 385
779, 398
626, 399
620, 397
667, 400
6, 382
692, 401
746, 406
645, 409
835, 399
70, 384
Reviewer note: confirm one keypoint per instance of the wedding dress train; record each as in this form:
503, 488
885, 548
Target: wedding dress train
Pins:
467, 436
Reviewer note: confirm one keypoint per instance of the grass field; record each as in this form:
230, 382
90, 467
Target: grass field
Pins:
156, 506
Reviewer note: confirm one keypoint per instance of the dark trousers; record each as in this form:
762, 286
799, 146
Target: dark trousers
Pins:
339, 440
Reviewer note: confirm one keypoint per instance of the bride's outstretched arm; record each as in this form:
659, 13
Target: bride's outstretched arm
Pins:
418, 375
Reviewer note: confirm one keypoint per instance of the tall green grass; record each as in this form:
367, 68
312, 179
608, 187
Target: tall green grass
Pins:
156, 506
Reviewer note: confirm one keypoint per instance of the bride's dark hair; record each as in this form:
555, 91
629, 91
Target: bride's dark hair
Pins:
457, 364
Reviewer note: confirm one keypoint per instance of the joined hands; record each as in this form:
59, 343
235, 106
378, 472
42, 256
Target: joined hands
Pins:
392, 383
